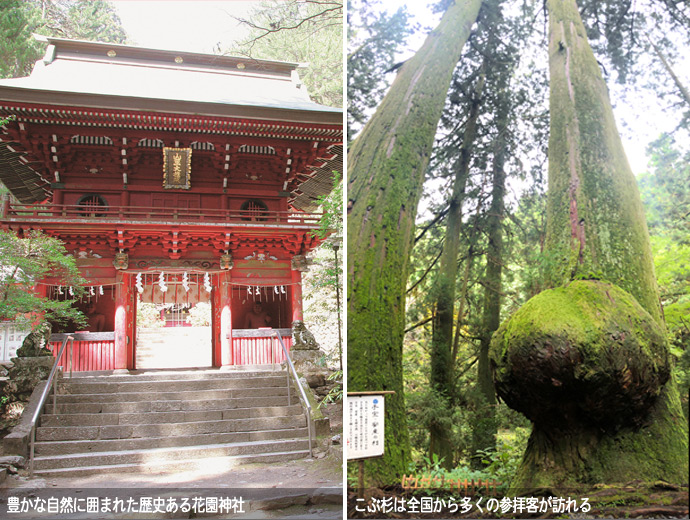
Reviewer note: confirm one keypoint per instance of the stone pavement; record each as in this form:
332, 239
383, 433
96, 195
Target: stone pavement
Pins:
304, 488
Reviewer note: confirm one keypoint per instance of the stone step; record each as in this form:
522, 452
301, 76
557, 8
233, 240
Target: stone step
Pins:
107, 458
178, 416
165, 418
91, 446
196, 464
63, 433
131, 397
74, 387
173, 374
167, 406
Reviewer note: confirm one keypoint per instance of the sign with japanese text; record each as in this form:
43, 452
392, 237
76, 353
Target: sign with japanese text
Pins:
177, 168
365, 428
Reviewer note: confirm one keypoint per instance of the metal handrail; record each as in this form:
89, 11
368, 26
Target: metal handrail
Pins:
44, 396
305, 401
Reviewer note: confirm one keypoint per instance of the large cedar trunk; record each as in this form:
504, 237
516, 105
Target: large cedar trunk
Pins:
587, 360
387, 163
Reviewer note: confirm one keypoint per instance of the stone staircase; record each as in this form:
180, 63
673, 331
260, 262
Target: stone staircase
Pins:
169, 420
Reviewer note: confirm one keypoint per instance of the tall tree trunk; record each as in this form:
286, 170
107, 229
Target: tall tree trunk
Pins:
587, 361
484, 428
442, 360
387, 163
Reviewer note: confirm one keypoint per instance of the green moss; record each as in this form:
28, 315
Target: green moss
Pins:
595, 218
568, 355
386, 168
585, 353
589, 367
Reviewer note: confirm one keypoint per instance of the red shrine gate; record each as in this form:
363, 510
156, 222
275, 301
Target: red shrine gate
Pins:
183, 196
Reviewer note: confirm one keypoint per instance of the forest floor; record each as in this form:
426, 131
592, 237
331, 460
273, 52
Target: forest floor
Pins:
635, 499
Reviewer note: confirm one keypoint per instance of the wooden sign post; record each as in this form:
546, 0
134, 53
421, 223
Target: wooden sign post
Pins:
365, 434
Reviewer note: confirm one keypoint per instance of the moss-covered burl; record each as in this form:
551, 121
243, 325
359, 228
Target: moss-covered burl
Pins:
590, 368
586, 360
586, 353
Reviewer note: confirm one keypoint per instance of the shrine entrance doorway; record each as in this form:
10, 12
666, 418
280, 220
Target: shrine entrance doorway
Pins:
173, 325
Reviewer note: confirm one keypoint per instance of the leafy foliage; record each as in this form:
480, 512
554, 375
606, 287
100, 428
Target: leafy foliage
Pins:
302, 32
500, 464
200, 315
24, 262
618, 30
332, 207
337, 392
149, 316
665, 192
374, 38
94, 20
323, 283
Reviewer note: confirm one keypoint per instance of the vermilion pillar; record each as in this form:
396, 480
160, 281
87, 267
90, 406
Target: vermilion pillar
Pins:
123, 307
297, 296
58, 199
299, 264
222, 354
226, 327
124, 201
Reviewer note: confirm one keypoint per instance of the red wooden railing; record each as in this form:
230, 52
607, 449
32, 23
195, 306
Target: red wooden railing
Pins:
60, 212
255, 347
91, 351
96, 350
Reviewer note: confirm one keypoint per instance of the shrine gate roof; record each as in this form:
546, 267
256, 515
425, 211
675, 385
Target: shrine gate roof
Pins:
103, 75
88, 84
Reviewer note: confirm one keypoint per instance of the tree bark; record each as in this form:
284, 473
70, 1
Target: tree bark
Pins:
596, 226
387, 164
596, 230
442, 359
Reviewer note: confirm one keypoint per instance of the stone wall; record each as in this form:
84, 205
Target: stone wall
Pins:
17, 382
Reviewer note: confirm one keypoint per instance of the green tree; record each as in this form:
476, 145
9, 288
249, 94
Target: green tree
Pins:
483, 131
18, 49
324, 280
373, 38
303, 32
666, 197
78, 19
24, 262
587, 361
387, 163
442, 352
